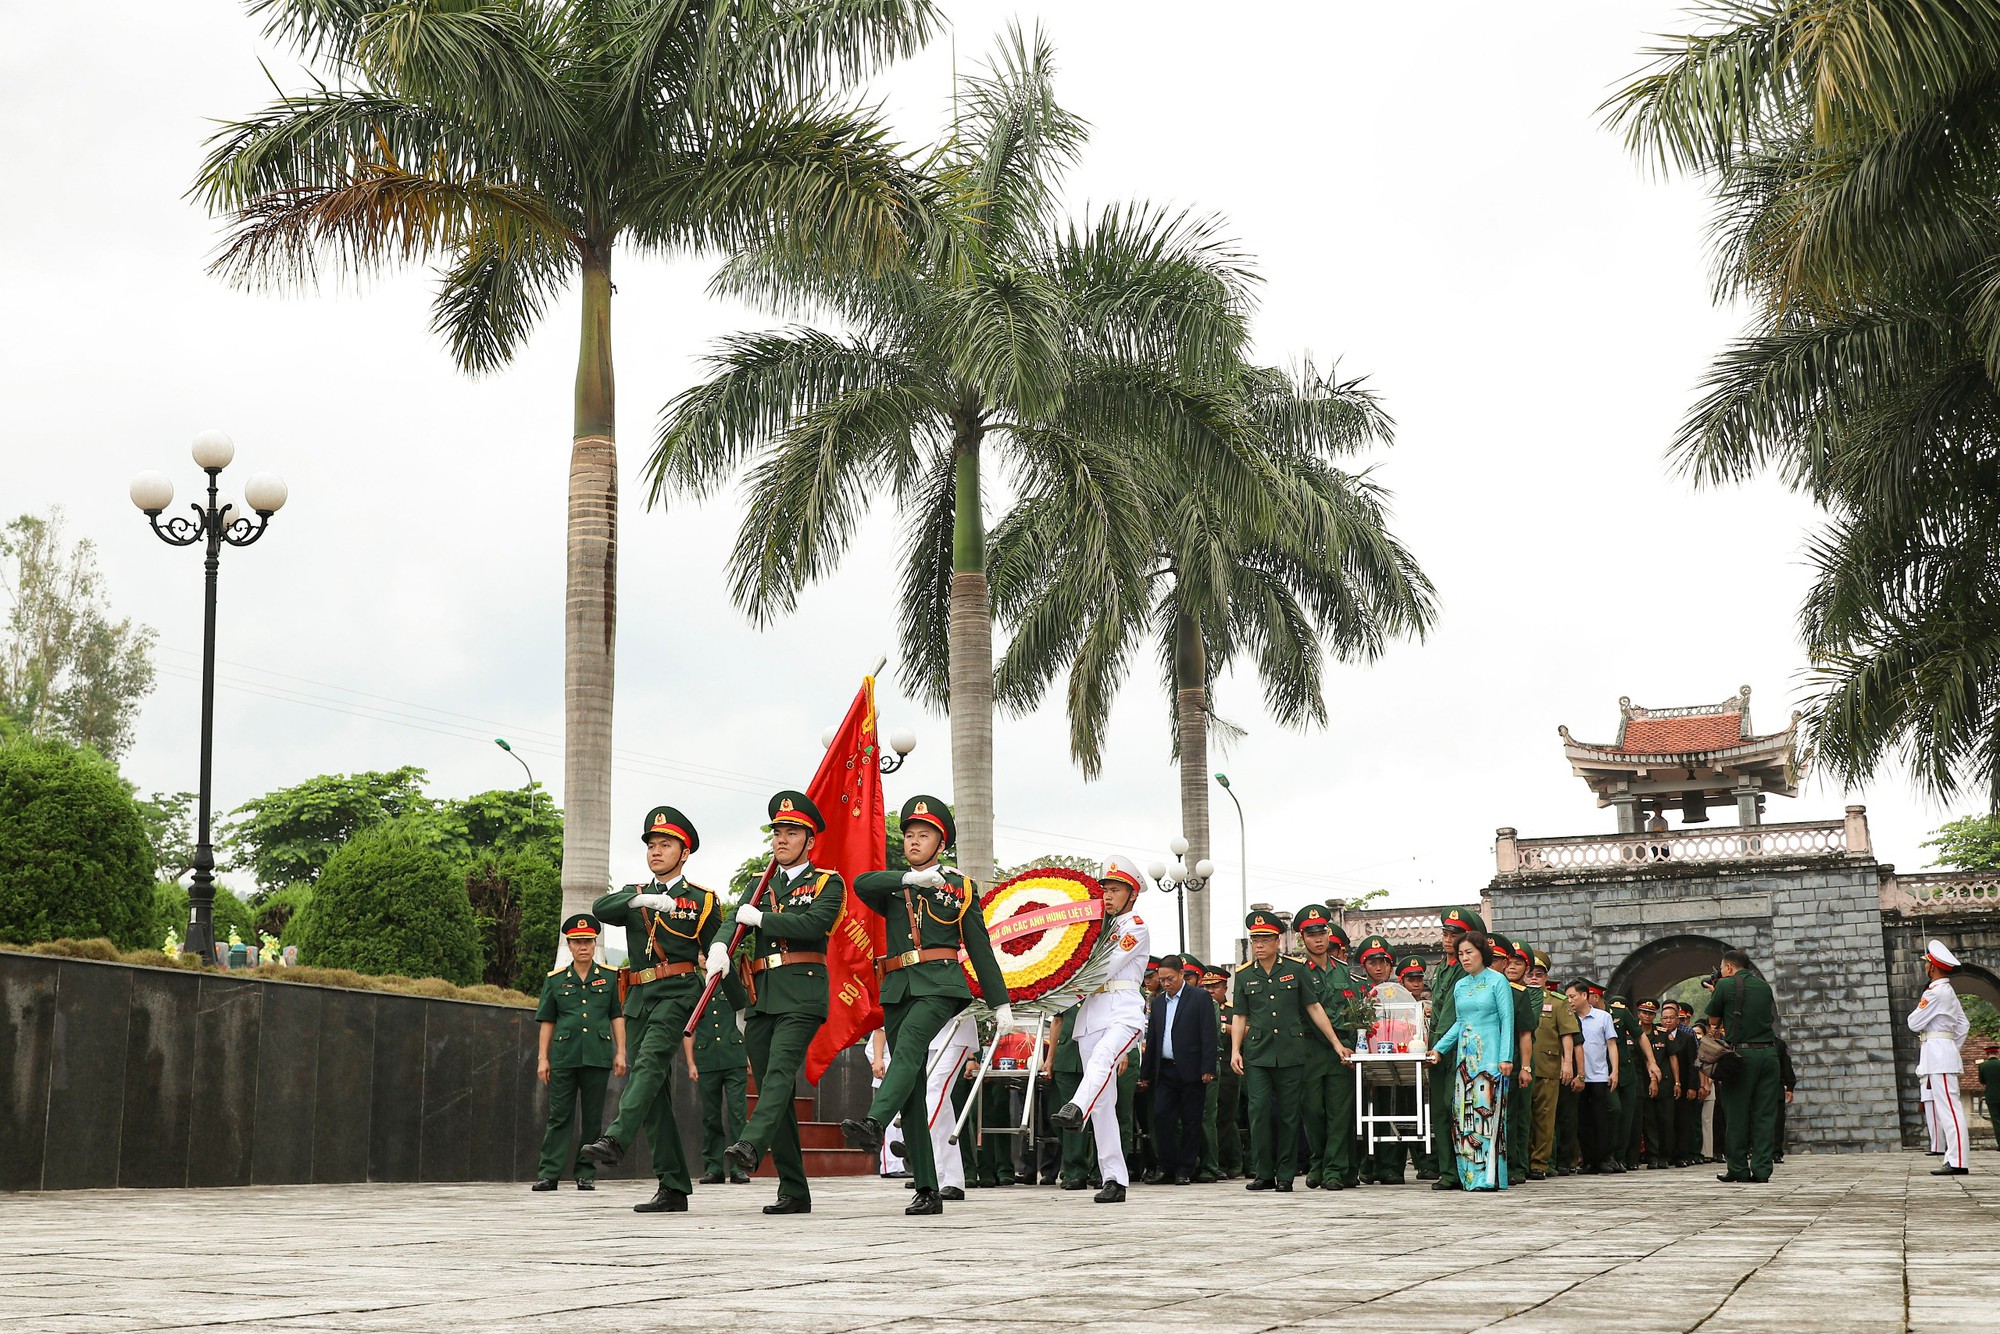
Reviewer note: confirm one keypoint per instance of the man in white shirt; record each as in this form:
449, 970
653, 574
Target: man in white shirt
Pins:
1940, 1025
1600, 1075
1108, 1025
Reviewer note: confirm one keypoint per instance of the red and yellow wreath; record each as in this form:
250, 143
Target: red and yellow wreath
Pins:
1043, 924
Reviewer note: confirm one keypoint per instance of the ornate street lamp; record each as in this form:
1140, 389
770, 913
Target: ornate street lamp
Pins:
1181, 879
221, 519
902, 741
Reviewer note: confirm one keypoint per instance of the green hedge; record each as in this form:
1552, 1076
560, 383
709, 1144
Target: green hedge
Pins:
389, 903
170, 913
74, 858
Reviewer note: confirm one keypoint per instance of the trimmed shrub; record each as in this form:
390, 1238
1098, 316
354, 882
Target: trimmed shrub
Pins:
516, 905
170, 913
387, 902
280, 909
74, 857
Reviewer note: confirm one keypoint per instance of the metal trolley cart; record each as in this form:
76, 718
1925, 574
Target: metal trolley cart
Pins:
1392, 1054
1007, 1066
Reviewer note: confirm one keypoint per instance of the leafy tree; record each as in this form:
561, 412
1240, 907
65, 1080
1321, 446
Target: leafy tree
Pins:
169, 819
67, 669
503, 821
1970, 843
516, 905
388, 901
287, 836
1984, 1020
279, 909
522, 143
1854, 154
1007, 338
74, 860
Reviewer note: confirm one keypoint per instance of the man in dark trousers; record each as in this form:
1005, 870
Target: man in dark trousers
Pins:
1178, 1066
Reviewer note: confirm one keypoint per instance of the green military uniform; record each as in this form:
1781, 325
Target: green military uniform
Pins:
1631, 1090
1383, 1165
1444, 1013
1272, 1007
1989, 1080
1207, 1169
786, 977
1079, 1147
1423, 1153
662, 980
1749, 1013
1661, 1116
1326, 1102
924, 987
1556, 1027
724, 1085
1520, 1092
1223, 1155
579, 1010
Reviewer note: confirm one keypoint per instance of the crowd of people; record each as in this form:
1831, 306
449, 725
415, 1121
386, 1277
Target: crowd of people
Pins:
1166, 1070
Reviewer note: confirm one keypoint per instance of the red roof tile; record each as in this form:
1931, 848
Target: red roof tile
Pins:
1679, 736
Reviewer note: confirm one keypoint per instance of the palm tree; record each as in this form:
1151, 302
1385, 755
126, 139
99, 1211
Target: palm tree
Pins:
1854, 151
521, 143
1315, 572
1006, 335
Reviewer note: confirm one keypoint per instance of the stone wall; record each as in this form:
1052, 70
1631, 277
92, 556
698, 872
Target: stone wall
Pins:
148, 1077
1814, 928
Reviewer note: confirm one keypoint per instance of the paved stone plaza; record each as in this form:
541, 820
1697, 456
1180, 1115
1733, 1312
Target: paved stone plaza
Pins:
1852, 1242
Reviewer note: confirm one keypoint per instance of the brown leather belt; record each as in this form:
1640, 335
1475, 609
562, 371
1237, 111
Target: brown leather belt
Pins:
655, 973
789, 956
889, 963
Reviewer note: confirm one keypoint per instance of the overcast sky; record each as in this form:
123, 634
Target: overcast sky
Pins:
1435, 203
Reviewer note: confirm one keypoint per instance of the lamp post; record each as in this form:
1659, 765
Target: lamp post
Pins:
533, 806
1242, 845
902, 741
219, 520
1182, 879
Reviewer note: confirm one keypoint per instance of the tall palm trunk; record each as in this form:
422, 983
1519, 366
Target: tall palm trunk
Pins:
1191, 723
970, 670
590, 608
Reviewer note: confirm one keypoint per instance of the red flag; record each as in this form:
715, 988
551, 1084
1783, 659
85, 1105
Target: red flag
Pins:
848, 791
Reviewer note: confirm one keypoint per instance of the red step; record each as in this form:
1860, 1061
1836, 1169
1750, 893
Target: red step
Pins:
823, 1146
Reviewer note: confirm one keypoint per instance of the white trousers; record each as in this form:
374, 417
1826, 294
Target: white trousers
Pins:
1930, 1122
887, 1160
956, 1043
1097, 1094
1945, 1114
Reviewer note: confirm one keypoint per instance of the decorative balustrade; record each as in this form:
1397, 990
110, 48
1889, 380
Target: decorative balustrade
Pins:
1404, 926
1678, 847
1941, 892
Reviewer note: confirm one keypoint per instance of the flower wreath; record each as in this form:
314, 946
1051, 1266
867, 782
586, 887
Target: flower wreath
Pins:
1043, 923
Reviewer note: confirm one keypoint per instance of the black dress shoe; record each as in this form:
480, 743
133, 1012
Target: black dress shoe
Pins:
742, 1156
1312, 1183
1951, 1171
543, 1185
1153, 1178
1616, 1169
951, 1193
927, 1202
603, 1151
1935, 1153
666, 1200
1444, 1183
1262, 1183
1729, 1176
1049, 1180
1113, 1193
1075, 1185
787, 1205
1284, 1188
863, 1134
1068, 1117
711, 1179
738, 1179
896, 1147
1335, 1184
1537, 1176
585, 1183
1183, 1181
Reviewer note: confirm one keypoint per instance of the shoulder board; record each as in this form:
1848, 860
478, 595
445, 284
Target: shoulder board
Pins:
1245, 964
692, 885
558, 968
1293, 958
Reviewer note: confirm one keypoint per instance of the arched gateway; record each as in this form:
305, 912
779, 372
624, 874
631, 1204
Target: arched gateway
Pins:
1839, 935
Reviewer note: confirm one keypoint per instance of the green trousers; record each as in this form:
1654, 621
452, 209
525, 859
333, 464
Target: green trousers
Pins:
777, 1044
1662, 1125
1328, 1109
1274, 1093
1079, 1147
1228, 1143
648, 1101
910, 1026
994, 1151
1208, 1166
1750, 1104
584, 1084
1569, 1150
1544, 1093
1385, 1163
723, 1099
1442, 1076
1625, 1124
1520, 1128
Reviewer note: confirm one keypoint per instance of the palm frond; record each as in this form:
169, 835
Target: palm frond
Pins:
489, 301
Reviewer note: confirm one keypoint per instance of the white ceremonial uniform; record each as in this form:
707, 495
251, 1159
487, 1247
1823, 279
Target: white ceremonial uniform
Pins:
1939, 1021
956, 1043
1109, 1024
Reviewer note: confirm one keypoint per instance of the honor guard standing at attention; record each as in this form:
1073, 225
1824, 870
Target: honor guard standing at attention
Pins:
786, 979
1555, 1056
1275, 999
1455, 922
1326, 1102
582, 1046
670, 925
929, 914
1109, 1023
722, 1073
1940, 1025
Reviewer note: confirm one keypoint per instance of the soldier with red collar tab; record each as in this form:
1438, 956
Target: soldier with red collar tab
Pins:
1108, 1024
1327, 1096
1275, 1000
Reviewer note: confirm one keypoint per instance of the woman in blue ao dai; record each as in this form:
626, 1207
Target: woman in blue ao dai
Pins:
1483, 1040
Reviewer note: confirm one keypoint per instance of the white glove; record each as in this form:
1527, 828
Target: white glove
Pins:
928, 878
742, 1021
718, 958
657, 902
749, 915
1003, 1016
